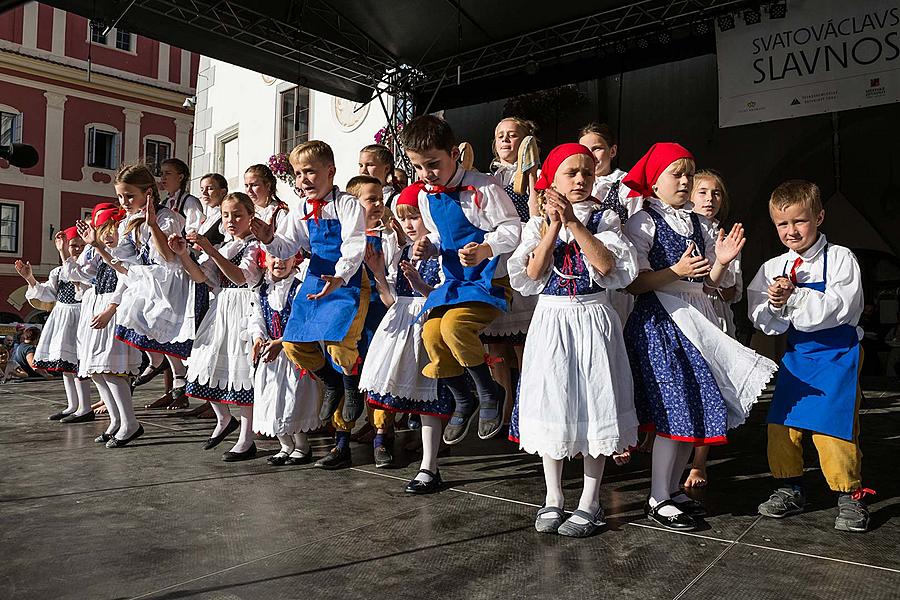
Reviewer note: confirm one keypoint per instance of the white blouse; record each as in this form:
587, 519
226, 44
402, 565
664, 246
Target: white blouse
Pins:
608, 232
807, 309
46, 291
293, 232
83, 270
248, 265
604, 182
128, 250
496, 214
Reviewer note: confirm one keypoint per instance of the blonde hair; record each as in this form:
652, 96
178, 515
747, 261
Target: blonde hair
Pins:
242, 199
355, 184
797, 191
406, 211
138, 175
525, 126
264, 173
685, 165
312, 151
110, 225
725, 207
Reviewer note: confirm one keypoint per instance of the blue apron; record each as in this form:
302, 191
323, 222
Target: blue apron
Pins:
817, 382
461, 284
328, 318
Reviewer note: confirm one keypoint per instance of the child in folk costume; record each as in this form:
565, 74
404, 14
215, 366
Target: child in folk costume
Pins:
692, 383
368, 190
175, 177
814, 293
101, 356
611, 192
213, 189
160, 304
516, 161
376, 160
286, 400
220, 370
57, 350
261, 186
331, 305
575, 394
473, 225
710, 199
392, 373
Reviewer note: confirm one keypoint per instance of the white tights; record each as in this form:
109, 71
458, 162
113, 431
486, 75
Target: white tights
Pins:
78, 394
431, 443
590, 493
223, 416
116, 395
670, 457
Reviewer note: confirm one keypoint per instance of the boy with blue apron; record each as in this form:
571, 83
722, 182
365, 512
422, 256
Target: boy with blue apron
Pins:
462, 208
330, 225
817, 390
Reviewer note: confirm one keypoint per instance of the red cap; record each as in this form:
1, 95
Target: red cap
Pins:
556, 157
102, 206
71, 233
410, 194
645, 173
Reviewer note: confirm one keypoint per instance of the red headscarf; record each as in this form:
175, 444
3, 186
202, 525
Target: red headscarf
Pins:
645, 173
107, 214
556, 158
71, 233
410, 195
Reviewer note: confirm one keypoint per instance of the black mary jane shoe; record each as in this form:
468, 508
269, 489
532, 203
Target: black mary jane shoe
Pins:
688, 506
303, 459
680, 522
278, 459
117, 443
59, 416
104, 437
146, 378
238, 456
215, 440
73, 418
425, 487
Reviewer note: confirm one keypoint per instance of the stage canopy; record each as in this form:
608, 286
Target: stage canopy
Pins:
442, 53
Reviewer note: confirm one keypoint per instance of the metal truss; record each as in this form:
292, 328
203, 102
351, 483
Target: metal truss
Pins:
349, 54
583, 36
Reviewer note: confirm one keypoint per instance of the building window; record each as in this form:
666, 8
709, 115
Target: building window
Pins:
103, 148
294, 110
97, 36
9, 228
10, 128
123, 40
155, 152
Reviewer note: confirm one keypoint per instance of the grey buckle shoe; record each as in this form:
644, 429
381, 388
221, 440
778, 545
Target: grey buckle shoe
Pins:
783, 502
577, 530
853, 514
489, 427
548, 525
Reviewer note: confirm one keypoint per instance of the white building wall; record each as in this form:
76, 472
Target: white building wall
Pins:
232, 99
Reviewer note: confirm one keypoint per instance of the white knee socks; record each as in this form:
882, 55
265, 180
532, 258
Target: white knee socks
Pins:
110, 404
121, 394
71, 393
287, 443
301, 445
431, 443
223, 417
669, 459
246, 437
553, 480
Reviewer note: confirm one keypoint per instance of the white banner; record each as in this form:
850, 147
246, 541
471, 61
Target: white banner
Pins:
824, 56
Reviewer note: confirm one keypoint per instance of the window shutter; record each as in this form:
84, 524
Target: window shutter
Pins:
90, 157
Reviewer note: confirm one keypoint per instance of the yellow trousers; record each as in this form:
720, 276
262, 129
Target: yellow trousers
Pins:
379, 418
841, 460
450, 336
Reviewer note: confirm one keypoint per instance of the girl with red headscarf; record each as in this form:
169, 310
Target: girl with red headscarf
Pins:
692, 383
57, 351
575, 395
106, 360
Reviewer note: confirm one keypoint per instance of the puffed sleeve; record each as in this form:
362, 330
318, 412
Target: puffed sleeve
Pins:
517, 263
391, 248
292, 235
503, 222
250, 264
169, 221
193, 213
771, 321
45, 292
83, 269
626, 270
121, 284
840, 304
209, 267
640, 231
126, 250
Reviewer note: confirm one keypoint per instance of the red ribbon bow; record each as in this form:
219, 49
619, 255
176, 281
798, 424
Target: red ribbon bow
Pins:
439, 189
316, 212
861, 492
492, 360
796, 264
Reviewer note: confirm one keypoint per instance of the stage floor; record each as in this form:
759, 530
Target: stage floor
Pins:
164, 519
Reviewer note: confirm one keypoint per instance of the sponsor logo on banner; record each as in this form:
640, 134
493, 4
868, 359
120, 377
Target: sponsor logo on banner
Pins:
824, 56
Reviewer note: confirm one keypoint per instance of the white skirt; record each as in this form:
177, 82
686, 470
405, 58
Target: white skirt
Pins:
576, 389
396, 355
741, 373
221, 354
98, 349
622, 302
159, 303
59, 337
284, 402
516, 320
